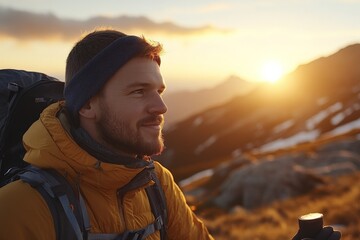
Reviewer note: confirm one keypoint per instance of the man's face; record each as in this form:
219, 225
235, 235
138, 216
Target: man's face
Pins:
129, 109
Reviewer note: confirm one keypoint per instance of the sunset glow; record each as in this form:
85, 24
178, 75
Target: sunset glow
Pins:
204, 42
272, 71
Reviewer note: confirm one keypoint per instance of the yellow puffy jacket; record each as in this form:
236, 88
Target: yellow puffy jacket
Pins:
24, 214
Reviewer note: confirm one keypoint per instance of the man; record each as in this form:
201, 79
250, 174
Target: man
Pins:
100, 138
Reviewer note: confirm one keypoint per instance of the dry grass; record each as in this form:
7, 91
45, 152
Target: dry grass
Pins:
339, 201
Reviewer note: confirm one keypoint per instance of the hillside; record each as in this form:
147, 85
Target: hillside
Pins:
318, 99
184, 103
261, 196
254, 164
338, 201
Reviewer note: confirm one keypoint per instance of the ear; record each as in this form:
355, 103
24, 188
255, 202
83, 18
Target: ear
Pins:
88, 110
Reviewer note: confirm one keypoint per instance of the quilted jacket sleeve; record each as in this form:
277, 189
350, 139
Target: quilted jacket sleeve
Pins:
24, 214
182, 222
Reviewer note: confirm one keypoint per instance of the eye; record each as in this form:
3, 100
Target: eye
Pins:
138, 92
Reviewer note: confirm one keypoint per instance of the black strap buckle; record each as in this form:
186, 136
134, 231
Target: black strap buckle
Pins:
134, 235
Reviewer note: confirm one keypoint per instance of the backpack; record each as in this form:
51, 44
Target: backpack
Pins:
23, 96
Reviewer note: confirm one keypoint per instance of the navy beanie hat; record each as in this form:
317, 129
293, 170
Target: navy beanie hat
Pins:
92, 76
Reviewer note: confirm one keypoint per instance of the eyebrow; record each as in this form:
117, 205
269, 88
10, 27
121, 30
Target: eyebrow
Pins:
142, 84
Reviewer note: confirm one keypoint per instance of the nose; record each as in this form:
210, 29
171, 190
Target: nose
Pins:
157, 105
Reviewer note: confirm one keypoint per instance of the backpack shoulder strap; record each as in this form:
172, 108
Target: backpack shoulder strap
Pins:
158, 205
66, 208
155, 196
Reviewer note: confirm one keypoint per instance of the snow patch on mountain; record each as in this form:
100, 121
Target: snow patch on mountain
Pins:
312, 122
284, 126
196, 177
289, 142
210, 141
344, 128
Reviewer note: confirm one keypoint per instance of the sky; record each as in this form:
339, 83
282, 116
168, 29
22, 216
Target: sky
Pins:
205, 42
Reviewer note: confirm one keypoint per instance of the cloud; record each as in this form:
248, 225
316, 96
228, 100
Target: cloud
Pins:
27, 25
215, 7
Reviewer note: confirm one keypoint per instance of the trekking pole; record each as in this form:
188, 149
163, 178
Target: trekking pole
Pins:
310, 225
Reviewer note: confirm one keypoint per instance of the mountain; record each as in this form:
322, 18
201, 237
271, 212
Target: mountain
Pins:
338, 201
182, 104
258, 180
317, 99
263, 151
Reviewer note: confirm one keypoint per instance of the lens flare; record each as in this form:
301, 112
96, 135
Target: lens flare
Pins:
271, 71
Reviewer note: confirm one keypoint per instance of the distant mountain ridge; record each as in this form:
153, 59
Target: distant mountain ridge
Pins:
264, 158
316, 99
184, 103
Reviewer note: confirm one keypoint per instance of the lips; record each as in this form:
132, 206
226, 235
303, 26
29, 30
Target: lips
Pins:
152, 125
153, 122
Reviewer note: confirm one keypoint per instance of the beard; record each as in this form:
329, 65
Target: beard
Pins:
120, 137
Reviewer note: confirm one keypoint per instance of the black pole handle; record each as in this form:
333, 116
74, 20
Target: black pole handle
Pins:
310, 225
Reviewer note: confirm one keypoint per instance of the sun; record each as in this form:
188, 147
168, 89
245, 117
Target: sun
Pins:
271, 71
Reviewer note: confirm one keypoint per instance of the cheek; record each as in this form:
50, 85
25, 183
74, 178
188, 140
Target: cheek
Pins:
128, 115
123, 110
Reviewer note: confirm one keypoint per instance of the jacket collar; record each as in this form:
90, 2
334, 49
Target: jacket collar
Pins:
50, 145
84, 140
